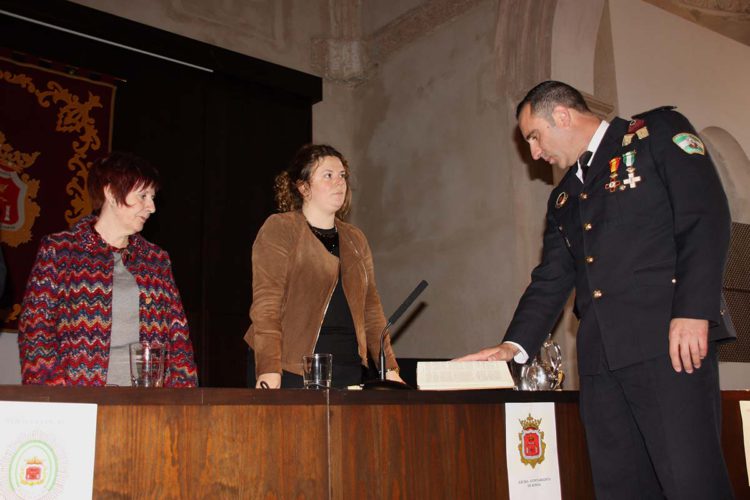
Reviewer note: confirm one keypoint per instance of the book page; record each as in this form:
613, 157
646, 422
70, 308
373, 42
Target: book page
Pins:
454, 375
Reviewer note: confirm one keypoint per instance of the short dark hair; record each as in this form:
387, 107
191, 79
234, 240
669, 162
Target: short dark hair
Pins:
544, 97
122, 172
300, 170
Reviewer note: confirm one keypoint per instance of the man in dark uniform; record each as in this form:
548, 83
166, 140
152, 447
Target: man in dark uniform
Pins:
640, 227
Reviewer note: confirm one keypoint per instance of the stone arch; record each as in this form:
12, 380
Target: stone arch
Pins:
734, 169
574, 42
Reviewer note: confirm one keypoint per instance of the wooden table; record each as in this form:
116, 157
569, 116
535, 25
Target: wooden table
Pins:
242, 443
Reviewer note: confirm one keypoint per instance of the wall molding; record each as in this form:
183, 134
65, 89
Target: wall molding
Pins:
347, 56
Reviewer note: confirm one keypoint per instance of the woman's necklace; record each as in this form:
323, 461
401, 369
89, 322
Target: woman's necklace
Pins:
328, 237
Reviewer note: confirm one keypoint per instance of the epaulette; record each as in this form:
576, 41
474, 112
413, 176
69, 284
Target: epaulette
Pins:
635, 125
660, 108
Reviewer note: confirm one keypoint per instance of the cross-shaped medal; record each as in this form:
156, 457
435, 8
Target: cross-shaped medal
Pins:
632, 180
611, 186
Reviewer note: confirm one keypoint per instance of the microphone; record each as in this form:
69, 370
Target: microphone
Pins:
395, 317
408, 302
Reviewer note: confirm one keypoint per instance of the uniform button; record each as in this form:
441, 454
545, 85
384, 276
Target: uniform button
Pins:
589, 259
587, 226
559, 228
674, 280
597, 294
583, 196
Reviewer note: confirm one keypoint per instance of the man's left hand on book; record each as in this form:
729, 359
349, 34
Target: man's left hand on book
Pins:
501, 352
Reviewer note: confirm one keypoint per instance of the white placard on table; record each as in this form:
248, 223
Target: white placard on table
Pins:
47, 450
745, 412
531, 451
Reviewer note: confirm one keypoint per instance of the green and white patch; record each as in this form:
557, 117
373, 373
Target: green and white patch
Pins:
689, 143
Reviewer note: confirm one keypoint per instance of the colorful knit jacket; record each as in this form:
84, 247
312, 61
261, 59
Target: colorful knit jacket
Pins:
66, 319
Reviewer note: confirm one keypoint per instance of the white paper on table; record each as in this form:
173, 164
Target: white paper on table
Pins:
531, 451
745, 412
47, 450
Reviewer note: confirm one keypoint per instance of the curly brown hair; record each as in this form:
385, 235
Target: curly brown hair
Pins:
300, 170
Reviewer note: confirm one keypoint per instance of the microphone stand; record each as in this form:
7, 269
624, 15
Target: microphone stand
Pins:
382, 383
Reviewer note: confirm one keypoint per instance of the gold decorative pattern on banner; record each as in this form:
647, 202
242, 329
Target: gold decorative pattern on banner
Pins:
73, 116
10, 314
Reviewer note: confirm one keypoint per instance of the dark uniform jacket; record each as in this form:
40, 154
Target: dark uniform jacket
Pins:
643, 240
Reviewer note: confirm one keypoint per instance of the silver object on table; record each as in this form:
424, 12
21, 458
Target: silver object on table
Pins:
542, 373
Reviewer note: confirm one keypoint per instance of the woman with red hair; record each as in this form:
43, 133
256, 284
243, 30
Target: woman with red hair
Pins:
100, 286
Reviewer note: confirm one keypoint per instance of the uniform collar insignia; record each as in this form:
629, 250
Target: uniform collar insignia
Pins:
636, 124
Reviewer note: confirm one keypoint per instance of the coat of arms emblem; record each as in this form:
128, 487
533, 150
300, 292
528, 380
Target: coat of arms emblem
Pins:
18, 210
531, 445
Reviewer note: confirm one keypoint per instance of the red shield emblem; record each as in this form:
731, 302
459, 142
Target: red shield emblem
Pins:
531, 444
33, 472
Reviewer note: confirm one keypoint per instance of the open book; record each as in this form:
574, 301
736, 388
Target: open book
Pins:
456, 375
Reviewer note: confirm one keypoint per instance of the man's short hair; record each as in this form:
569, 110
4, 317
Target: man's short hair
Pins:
544, 97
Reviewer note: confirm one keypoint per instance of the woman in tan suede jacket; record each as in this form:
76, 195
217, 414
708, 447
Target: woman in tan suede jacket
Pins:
313, 279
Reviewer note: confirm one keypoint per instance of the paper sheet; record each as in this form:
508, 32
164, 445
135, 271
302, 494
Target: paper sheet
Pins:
531, 451
47, 450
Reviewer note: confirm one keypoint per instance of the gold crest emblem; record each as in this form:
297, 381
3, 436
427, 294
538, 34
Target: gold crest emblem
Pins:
531, 444
18, 191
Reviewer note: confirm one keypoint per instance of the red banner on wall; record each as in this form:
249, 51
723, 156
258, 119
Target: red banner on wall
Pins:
53, 125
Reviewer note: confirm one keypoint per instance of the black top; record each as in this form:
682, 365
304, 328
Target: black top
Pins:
337, 335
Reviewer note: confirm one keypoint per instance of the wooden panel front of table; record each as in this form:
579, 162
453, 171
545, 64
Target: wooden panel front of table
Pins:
243, 443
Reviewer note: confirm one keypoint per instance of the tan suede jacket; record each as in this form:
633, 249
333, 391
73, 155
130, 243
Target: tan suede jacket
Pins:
293, 279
